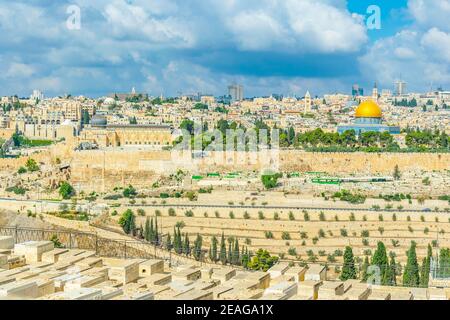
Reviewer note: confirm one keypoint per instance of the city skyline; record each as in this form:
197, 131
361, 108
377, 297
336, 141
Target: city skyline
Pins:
166, 47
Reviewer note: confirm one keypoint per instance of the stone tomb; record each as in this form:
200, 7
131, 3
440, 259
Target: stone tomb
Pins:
33, 250
124, 271
150, 267
6, 242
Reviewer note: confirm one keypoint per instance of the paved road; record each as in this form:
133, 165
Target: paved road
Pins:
196, 205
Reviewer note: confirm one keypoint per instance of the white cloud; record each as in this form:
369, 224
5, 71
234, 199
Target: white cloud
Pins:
428, 14
437, 44
296, 25
19, 70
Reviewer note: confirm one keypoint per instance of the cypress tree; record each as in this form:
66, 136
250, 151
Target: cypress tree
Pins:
198, 247
348, 270
146, 228
390, 274
236, 259
132, 224
186, 245
214, 249
364, 267
169, 242
230, 251
223, 250
151, 233
411, 274
426, 266
380, 260
156, 231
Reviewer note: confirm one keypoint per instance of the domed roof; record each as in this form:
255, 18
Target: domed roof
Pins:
368, 109
109, 101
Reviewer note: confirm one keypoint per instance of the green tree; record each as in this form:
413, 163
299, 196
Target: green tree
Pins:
236, 256
262, 261
411, 273
223, 250
187, 245
270, 181
31, 165
425, 271
364, 267
380, 259
390, 274
128, 222
66, 191
213, 251
198, 244
129, 192
348, 270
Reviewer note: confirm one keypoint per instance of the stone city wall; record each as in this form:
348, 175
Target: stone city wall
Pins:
141, 168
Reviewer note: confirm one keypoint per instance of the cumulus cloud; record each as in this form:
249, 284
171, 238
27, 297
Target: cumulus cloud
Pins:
173, 45
419, 54
429, 14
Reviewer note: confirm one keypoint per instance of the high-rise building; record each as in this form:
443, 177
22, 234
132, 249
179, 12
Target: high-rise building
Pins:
399, 87
37, 95
357, 91
236, 92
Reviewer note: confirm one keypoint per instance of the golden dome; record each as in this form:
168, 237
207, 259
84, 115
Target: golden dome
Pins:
368, 109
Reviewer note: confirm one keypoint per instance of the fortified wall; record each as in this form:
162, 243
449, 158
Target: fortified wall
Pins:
105, 169
141, 168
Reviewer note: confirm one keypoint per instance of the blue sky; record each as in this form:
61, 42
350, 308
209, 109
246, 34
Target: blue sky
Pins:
270, 46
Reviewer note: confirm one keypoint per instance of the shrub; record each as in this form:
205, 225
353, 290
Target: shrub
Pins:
344, 232
321, 233
231, 215
285, 236
141, 212
217, 214
32, 165
246, 215
352, 217
22, 170
380, 217
268, 235
291, 216
180, 224
381, 230
261, 215
172, 212
129, 192
157, 213
276, 216
292, 252
303, 235
306, 216
365, 233
322, 216
189, 214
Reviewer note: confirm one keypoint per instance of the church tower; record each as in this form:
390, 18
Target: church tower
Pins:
375, 93
308, 102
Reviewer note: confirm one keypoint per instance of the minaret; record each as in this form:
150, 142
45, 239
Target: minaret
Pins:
375, 93
307, 102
